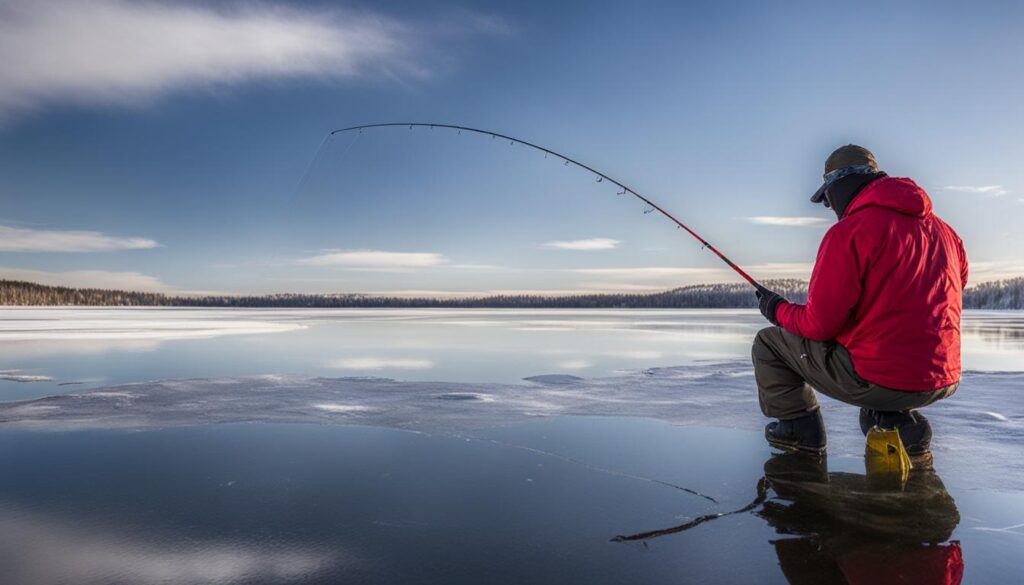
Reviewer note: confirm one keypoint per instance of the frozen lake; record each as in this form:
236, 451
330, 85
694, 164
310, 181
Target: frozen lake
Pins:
88, 348
406, 446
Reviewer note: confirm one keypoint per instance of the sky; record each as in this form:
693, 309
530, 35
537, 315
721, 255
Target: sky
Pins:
182, 147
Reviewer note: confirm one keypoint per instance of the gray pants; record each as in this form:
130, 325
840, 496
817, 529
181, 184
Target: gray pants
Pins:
788, 368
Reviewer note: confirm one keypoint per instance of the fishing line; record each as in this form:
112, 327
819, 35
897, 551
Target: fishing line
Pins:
566, 161
311, 166
350, 145
596, 468
318, 155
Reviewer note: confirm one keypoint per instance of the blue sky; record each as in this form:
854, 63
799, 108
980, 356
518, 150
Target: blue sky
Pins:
163, 146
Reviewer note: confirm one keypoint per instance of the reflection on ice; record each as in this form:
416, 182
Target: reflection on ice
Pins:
40, 548
856, 528
849, 528
58, 348
380, 363
574, 364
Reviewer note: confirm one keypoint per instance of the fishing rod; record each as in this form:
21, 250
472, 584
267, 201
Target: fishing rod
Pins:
567, 161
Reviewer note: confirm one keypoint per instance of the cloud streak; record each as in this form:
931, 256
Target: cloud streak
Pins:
787, 221
373, 260
21, 239
650, 278
986, 190
645, 272
133, 281
987, 271
119, 51
583, 245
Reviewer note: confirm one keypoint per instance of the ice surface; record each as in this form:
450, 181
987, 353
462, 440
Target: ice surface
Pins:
554, 379
979, 429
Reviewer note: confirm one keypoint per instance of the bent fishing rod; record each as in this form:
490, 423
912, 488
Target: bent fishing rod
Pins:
567, 161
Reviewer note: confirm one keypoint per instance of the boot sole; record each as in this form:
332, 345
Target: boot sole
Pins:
786, 446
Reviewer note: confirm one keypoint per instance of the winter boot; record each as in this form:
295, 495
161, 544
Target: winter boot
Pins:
914, 429
806, 433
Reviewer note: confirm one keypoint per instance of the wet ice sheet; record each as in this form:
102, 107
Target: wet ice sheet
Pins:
338, 504
107, 346
980, 430
538, 501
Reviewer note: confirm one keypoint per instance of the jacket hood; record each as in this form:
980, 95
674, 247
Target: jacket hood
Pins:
899, 194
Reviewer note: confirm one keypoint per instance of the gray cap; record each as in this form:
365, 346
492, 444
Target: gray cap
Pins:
844, 161
849, 155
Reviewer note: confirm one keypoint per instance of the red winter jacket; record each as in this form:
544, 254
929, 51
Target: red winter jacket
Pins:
887, 285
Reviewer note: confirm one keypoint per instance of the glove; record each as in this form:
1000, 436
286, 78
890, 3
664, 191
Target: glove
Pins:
768, 301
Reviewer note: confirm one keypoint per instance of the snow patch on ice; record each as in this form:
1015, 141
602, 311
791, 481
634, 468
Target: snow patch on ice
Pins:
105, 394
342, 408
100, 326
16, 376
31, 410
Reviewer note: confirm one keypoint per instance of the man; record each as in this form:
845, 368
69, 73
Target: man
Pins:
881, 327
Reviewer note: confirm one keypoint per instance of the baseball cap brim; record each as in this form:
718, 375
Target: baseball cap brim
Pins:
819, 195
839, 173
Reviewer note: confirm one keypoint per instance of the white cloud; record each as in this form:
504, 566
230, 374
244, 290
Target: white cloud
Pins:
585, 281
783, 269
646, 272
666, 277
133, 281
587, 244
478, 267
622, 287
120, 51
375, 260
787, 221
475, 293
21, 239
377, 363
987, 190
994, 270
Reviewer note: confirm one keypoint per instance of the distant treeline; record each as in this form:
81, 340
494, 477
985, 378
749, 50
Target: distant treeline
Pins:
1004, 294
697, 296
1001, 294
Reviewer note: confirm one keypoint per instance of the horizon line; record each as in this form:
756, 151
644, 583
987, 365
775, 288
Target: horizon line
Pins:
442, 295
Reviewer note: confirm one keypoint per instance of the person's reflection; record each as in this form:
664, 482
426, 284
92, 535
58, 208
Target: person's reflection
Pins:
849, 528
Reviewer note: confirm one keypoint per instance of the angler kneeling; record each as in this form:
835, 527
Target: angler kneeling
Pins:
881, 326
